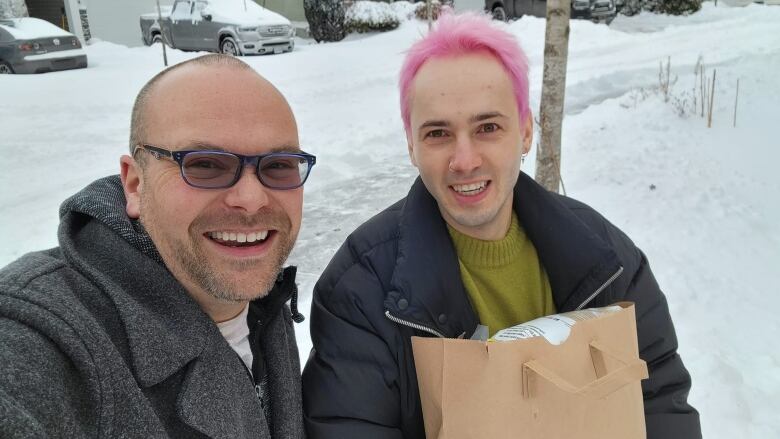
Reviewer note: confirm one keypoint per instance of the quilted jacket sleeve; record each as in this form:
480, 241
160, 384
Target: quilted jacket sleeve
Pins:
350, 385
667, 412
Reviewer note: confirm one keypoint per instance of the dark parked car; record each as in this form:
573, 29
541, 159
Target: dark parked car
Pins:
595, 10
30, 45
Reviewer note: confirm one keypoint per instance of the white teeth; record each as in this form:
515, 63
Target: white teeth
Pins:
473, 187
239, 237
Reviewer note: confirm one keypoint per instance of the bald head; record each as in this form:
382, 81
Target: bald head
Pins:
197, 80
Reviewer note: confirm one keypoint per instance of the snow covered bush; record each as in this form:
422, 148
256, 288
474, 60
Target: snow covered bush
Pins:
13, 9
326, 19
685, 102
671, 7
367, 16
437, 7
680, 7
403, 10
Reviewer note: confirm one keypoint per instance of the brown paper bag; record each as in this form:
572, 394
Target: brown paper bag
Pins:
586, 387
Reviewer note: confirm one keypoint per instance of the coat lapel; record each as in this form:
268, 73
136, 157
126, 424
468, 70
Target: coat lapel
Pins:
167, 333
575, 258
427, 273
217, 397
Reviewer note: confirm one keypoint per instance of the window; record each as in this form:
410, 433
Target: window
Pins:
181, 10
199, 7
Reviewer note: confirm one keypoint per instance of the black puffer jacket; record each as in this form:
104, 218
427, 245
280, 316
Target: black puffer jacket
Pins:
400, 270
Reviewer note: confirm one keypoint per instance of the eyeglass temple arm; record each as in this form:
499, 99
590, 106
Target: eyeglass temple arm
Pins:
158, 153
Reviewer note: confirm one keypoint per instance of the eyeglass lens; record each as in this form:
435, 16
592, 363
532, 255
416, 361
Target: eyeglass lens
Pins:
216, 170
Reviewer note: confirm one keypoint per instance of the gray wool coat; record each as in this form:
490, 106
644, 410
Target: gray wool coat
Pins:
97, 339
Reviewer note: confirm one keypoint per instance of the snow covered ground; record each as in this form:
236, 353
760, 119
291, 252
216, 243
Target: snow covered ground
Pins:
698, 201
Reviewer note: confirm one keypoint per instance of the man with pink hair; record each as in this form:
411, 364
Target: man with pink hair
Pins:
475, 241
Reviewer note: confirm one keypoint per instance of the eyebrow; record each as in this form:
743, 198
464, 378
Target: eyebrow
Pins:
197, 145
434, 123
473, 119
485, 116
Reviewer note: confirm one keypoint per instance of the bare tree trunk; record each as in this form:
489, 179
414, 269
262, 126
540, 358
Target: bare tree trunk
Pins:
556, 53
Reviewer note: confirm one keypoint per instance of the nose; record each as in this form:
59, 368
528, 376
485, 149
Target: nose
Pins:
248, 193
465, 157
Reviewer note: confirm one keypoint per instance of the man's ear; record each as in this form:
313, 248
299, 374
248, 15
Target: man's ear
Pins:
528, 132
132, 182
410, 148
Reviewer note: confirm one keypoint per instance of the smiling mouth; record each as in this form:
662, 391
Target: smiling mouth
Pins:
240, 239
471, 189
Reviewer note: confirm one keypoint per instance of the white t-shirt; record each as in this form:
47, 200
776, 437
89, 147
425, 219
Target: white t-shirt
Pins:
236, 332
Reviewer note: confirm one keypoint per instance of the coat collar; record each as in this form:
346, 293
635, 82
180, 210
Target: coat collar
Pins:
576, 258
427, 273
164, 327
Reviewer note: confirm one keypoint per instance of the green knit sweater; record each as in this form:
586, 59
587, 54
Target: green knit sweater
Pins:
504, 279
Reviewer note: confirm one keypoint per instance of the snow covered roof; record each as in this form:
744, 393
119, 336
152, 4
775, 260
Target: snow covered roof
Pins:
32, 28
242, 12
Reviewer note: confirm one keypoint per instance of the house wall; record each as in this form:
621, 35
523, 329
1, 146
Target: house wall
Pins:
292, 9
117, 21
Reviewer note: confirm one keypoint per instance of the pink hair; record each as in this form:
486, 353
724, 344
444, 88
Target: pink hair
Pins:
464, 34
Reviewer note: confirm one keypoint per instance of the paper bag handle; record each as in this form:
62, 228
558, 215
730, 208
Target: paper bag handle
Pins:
632, 369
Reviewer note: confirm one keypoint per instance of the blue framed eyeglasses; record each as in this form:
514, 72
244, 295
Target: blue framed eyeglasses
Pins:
219, 170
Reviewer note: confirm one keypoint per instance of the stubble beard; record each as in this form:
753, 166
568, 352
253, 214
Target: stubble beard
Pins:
189, 258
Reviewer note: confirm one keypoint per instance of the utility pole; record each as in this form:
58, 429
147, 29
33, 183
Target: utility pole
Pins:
556, 53
162, 33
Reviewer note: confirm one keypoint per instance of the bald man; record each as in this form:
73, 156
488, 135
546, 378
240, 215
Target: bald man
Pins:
163, 312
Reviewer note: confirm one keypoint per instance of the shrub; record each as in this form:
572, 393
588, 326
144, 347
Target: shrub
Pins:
326, 19
404, 10
680, 7
367, 16
437, 7
671, 7
421, 11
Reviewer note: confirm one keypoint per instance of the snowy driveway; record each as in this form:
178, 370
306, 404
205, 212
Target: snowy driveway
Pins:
698, 201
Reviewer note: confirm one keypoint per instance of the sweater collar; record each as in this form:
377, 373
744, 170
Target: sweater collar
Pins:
474, 252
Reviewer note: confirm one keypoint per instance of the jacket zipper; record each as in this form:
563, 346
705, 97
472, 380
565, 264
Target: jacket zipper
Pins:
432, 331
413, 325
600, 289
